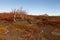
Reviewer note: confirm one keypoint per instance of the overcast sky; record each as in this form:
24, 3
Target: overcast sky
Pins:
35, 7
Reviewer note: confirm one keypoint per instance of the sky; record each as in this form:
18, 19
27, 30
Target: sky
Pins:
34, 7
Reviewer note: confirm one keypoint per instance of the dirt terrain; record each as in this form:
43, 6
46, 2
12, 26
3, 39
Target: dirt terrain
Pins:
20, 26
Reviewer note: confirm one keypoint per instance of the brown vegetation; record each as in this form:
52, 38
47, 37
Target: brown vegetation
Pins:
26, 27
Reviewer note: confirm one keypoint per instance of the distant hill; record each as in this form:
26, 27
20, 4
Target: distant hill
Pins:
24, 16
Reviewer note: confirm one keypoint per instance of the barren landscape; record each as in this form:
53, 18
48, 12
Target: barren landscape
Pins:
21, 26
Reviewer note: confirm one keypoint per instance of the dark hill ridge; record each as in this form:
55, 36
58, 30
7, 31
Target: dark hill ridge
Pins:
22, 15
21, 26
